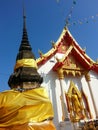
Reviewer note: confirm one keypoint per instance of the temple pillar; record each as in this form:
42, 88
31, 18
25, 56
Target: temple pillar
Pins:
88, 79
66, 123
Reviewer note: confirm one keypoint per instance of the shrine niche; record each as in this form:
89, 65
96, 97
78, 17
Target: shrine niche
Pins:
75, 103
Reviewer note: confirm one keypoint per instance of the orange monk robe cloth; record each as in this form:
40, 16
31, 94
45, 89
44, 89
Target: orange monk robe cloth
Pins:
19, 109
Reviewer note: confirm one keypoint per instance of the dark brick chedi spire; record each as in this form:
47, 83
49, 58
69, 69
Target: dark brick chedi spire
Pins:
25, 69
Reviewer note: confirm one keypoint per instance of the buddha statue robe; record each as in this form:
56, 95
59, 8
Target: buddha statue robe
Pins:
27, 110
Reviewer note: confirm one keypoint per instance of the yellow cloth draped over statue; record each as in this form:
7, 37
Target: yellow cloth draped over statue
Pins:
28, 110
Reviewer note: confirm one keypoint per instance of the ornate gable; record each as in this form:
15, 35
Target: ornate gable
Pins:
70, 65
74, 60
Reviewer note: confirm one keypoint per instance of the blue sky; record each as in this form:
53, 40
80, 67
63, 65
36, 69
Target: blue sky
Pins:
45, 22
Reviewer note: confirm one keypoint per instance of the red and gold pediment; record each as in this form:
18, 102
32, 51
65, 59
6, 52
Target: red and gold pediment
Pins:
69, 63
71, 66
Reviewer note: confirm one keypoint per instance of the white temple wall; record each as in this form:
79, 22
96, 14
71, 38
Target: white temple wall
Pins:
52, 84
94, 88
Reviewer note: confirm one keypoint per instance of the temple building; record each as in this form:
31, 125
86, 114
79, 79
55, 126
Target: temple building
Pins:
71, 79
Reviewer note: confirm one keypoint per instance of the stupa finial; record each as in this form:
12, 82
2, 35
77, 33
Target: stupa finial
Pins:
24, 43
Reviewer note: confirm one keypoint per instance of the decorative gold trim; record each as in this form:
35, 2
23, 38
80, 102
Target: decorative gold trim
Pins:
82, 56
60, 73
66, 54
87, 76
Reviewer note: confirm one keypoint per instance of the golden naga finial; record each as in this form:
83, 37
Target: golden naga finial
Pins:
40, 53
53, 44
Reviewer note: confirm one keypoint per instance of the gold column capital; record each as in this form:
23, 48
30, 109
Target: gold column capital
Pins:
60, 73
87, 76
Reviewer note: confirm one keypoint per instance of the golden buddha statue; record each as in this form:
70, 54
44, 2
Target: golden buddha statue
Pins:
76, 106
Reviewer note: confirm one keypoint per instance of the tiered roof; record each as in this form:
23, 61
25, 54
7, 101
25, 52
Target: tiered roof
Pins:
74, 56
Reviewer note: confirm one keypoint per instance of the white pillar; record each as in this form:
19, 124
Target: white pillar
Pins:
87, 76
65, 111
66, 124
